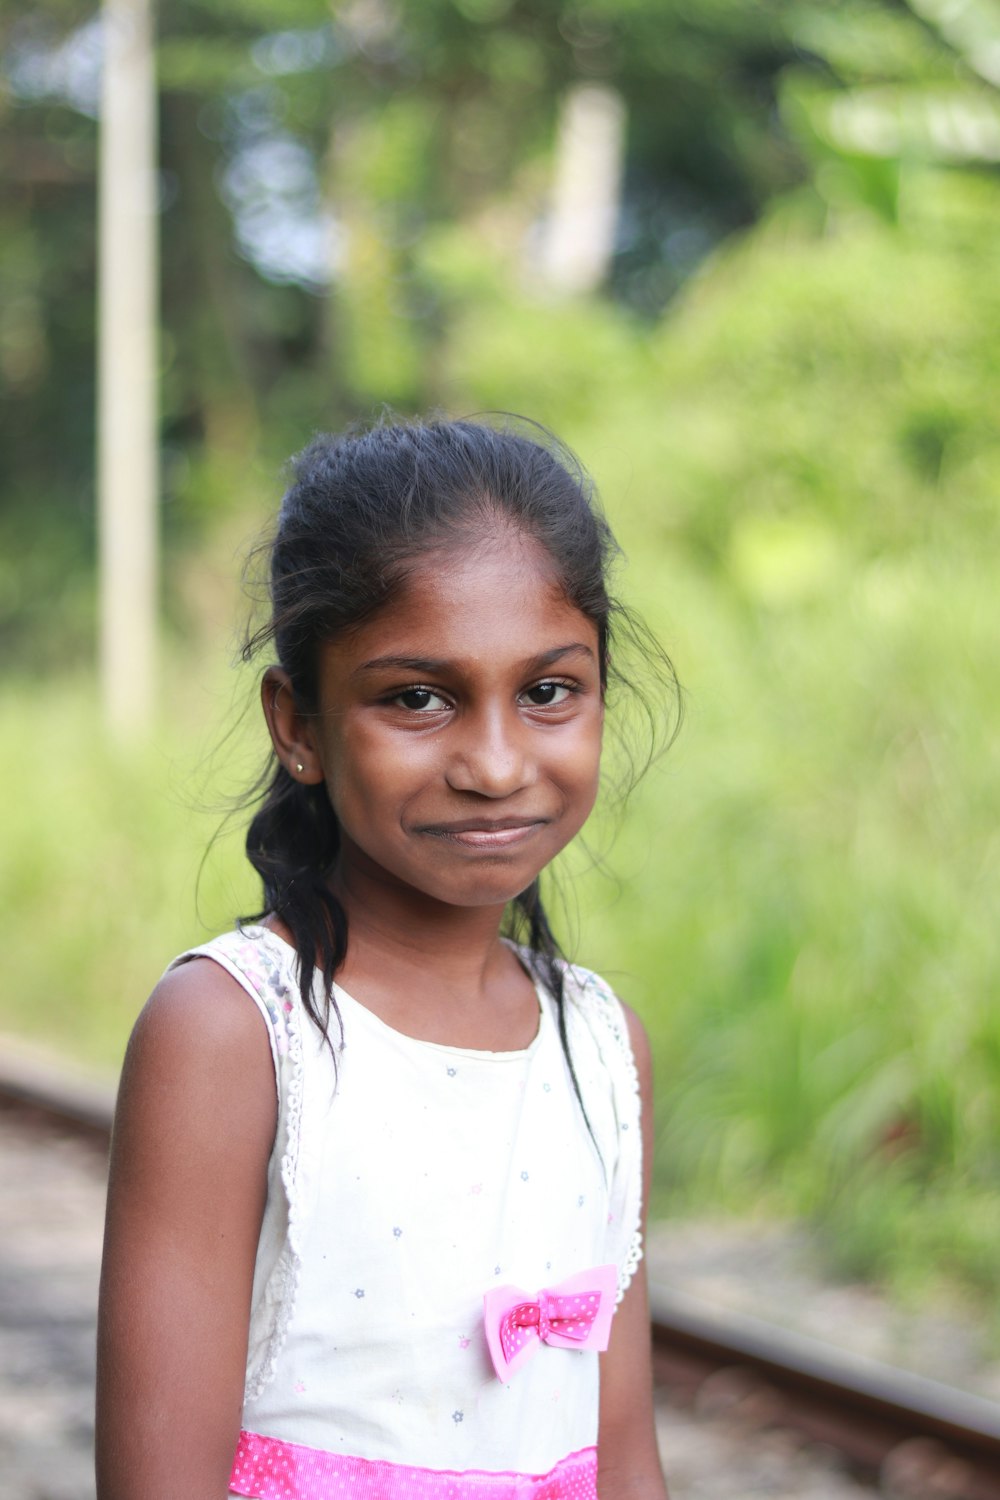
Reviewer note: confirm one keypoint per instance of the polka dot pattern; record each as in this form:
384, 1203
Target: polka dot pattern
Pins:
266, 1468
570, 1317
574, 1314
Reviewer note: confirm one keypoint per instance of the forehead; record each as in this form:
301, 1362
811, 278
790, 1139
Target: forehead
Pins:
491, 604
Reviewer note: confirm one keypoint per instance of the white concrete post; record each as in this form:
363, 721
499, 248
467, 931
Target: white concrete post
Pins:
580, 233
127, 444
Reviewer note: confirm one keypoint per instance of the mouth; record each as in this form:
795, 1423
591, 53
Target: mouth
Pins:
487, 833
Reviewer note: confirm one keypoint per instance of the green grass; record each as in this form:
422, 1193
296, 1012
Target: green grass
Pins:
806, 920
102, 880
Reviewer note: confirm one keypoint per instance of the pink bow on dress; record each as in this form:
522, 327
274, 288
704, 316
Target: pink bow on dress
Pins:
576, 1314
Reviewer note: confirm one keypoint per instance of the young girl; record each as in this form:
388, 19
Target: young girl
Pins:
375, 1215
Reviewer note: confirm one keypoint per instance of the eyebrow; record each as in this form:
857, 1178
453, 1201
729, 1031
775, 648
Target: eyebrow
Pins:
433, 665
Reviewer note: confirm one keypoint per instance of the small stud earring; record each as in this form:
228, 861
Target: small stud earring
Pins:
299, 767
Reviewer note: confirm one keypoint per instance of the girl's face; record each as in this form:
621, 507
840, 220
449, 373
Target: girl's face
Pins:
459, 730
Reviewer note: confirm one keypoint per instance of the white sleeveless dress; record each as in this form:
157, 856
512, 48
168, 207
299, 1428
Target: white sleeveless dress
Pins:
407, 1180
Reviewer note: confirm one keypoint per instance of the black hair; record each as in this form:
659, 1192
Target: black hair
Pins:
362, 508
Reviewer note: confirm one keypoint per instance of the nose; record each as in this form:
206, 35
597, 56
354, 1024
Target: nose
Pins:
490, 755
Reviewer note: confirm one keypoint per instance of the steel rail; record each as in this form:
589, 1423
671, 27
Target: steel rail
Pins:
868, 1410
41, 1090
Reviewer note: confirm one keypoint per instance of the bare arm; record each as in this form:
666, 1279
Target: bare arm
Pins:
193, 1132
628, 1459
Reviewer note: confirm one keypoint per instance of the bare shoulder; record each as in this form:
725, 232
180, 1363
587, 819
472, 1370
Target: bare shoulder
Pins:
199, 1061
199, 1006
194, 1129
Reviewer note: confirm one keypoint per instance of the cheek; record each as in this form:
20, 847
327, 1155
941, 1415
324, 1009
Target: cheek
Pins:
370, 778
581, 765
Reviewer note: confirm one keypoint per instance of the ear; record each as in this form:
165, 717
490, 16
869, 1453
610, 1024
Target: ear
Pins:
291, 730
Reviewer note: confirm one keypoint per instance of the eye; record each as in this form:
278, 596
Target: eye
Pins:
419, 700
545, 694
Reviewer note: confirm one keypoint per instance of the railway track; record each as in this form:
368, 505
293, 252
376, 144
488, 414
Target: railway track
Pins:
914, 1436
911, 1436
34, 1090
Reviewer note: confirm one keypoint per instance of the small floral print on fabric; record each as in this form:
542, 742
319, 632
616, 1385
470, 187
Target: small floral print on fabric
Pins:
263, 969
524, 1176
359, 1292
463, 1341
397, 1232
458, 1416
581, 1200
452, 1072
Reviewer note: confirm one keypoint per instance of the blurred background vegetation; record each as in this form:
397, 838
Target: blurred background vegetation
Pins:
785, 382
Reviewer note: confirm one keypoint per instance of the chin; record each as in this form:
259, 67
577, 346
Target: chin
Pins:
483, 896
490, 890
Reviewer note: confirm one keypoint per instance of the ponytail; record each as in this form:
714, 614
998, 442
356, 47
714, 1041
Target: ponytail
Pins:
292, 843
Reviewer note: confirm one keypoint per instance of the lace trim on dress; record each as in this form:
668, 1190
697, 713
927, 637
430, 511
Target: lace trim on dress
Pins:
599, 1005
591, 987
630, 1265
259, 960
276, 988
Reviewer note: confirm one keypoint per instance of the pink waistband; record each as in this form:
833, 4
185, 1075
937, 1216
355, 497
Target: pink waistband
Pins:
268, 1469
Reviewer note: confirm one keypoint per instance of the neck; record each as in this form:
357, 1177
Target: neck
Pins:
433, 969
400, 927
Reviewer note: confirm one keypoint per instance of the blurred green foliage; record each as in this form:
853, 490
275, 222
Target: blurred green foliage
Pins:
791, 413
802, 463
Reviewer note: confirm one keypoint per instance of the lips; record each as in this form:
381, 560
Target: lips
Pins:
486, 834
